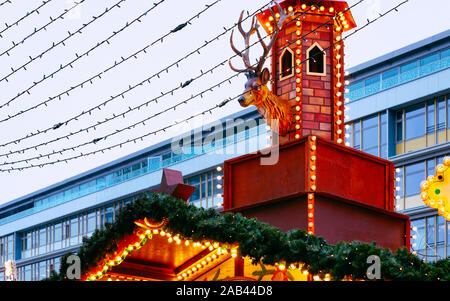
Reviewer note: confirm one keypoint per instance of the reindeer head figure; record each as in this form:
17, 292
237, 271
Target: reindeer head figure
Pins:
256, 91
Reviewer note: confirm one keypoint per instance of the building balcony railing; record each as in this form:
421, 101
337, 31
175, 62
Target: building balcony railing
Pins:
395, 77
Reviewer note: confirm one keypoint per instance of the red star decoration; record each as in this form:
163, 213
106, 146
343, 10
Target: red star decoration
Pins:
172, 183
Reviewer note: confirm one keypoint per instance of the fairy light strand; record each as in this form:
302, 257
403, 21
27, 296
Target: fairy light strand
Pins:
66, 122
36, 30
175, 123
98, 75
36, 10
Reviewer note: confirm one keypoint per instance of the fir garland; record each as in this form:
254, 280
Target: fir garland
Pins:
259, 241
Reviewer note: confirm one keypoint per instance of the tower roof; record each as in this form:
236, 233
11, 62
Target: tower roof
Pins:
324, 7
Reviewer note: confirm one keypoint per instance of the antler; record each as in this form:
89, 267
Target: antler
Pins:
254, 28
246, 55
267, 47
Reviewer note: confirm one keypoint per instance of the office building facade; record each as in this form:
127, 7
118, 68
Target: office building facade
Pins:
399, 109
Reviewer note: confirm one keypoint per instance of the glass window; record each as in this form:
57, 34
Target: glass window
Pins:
357, 137
91, 222
429, 59
126, 173
415, 122
418, 241
92, 186
383, 136
409, 71
370, 135
399, 126
372, 84
154, 163
431, 252
430, 168
75, 192
74, 231
58, 232
414, 175
101, 183
445, 53
195, 181
441, 113
430, 117
349, 134
109, 215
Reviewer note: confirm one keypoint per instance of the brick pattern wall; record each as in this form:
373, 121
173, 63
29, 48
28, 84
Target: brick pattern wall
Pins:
312, 98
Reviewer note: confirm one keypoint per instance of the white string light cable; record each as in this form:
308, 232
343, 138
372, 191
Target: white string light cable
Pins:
29, 13
130, 87
172, 125
36, 30
5, 2
78, 57
117, 63
170, 92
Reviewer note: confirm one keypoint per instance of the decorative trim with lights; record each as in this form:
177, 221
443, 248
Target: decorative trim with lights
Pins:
299, 82
312, 182
338, 85
257, 241
435, 191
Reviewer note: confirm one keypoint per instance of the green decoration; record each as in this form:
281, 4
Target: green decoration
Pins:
263, 243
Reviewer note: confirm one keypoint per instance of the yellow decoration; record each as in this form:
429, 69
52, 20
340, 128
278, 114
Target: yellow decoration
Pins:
435, 191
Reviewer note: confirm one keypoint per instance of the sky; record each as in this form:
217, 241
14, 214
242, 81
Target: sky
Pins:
414, 21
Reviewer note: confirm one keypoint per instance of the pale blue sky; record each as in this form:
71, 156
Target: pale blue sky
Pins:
416, 20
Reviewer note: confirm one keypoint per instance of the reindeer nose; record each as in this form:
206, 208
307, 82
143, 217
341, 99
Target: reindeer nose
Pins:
241, 100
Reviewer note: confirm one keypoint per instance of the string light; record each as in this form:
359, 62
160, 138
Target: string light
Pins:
36, 10
141, 137
78, 57
35, 31
4, 2
89, 111
98, 75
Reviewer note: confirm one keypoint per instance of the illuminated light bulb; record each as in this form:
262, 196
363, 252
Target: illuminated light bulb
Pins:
414, 229
219, 205
338, 47
189, 272
297, 108
313, 158
118, 258
170, 239
155, 231
297, 126
299, 42
169, 235
331, 10
346, 26
109, 279
297, 117
271, 18
338, 28
219, 195
298, 70
310, 206
271, 29
277, 15
344, 22
339, 113
184, 274
339, 103
414, 236
219, 186
316, 278
162, 233
179, 277
313, 7
303, 6
313, 167
298, 23
211, 248
347, 100
219, 168
298, 80
346, 117
346, 90
298, 51
347, 135
298, 32
204, 262
194, 269
282, 267
339, 132
338, 66
339, 122
339, 84
347, 82
397, 179
339, 94
142, 236
297, 89
297, 98
214, 256
347, 143
297, 136
322, 8
267, 24
339, 141
338, 38
338, 57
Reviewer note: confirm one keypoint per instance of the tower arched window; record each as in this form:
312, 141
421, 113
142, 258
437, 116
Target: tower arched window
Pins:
286, 69
316, 57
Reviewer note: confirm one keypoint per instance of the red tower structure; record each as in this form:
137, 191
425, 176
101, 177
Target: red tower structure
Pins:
318, 183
